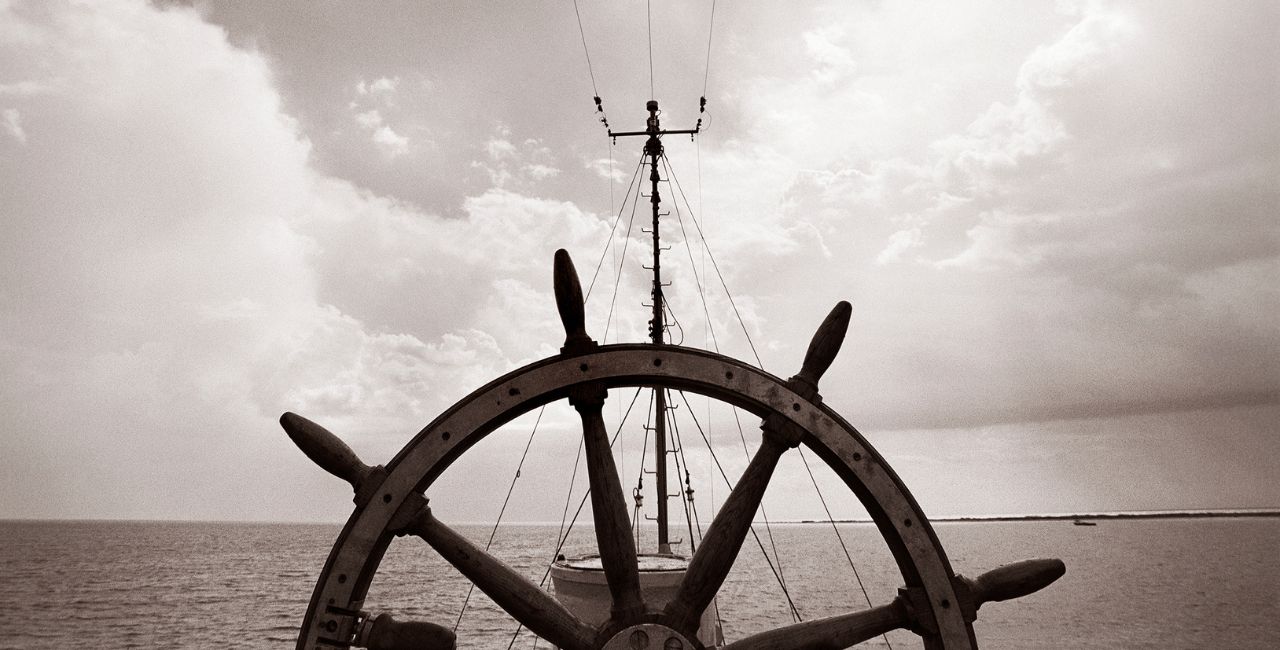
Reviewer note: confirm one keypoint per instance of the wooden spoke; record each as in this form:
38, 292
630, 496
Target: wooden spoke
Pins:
608, 503
822, 350
720, 546
1008, 582
523, 600
1011, 581
569, 303
609, 507
835, 632
385, 633
325, 449
333, 455
723, 540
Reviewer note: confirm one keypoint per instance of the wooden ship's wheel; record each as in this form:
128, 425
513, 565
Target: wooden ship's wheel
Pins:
934, 602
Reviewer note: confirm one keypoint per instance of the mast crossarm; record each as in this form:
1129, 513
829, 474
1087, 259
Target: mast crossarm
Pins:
623, 134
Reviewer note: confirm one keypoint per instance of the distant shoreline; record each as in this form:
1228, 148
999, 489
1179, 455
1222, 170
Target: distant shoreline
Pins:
1089, 516
1086, 516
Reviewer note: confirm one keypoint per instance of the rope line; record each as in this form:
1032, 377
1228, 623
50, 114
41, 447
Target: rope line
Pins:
563, 538
721, 275
707, 73
568, 498
697, 278
493, 533
609, 243
648, 14
617, 279
587, 52
764, 514
795, 613
682, 467
831, 520
638, 495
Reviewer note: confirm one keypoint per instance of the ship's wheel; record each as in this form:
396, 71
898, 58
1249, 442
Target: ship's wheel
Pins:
934, 602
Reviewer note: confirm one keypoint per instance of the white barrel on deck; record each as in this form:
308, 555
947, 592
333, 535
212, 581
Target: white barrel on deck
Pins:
581, 587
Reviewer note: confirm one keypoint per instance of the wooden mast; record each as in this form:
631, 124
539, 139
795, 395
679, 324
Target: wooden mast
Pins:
657, 325
657, 329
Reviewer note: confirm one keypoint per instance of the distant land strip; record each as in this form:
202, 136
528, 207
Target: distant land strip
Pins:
1088, 516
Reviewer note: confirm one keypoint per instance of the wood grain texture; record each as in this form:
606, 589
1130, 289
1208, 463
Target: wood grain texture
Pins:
1014, 580
325, 449
386, 633
723, 540
829, 633
569, 303
609, 509
514, 593
823, 348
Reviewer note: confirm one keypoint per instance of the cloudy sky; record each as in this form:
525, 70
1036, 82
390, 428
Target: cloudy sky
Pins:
1057, 224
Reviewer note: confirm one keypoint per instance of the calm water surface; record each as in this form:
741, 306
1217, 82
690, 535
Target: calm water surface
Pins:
1173, 583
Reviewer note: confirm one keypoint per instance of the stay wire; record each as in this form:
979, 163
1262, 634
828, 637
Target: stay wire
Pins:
644, 453
587, 52
831, 520
568, 498
564, 535
839, 538
697, 278
710, 255
764, 513
795, 613
648, 14
710, 30
682, 466
609, 242
493, 533
617, 279
741, 435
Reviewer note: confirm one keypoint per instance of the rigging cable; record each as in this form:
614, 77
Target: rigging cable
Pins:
568, 498
795, 613
803, 458
697, 278
741, 435
493, 533
638, 495
604, 119
839, 537
682, 465
613, 302
710, 30
564, 533
608, 243
716, 266
648, 14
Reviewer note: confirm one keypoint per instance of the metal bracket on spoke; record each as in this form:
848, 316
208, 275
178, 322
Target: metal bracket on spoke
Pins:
587, 394
337, 626
409, 511
780, 430
968, 608
919, 613
370, 485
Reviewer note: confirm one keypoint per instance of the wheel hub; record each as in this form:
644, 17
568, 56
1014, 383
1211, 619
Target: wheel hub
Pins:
649, 636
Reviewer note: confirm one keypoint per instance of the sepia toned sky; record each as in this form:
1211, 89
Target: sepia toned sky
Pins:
1058, 225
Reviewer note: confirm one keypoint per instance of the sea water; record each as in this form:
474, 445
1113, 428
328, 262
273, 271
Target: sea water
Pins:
1162, 583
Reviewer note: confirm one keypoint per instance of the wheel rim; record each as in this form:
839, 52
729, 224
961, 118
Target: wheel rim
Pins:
926, 572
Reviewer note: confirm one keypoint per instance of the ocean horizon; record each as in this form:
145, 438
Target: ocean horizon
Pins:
1131, 583
1039, 516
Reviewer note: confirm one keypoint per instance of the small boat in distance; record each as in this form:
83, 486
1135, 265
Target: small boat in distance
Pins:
1082, 522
